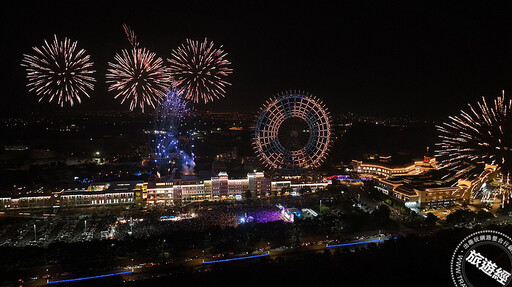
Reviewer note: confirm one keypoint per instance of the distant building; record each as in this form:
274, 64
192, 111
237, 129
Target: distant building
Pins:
416, 184
259, 184
384, 167
277, 186
26, 201
157, 192
313, 186
97, 194
167, 191
422, 193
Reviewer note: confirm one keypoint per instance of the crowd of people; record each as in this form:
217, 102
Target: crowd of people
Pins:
228, 214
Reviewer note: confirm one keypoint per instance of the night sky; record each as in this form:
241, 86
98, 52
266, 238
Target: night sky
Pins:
424, 59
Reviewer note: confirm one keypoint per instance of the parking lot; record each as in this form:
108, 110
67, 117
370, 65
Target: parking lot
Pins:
42, 232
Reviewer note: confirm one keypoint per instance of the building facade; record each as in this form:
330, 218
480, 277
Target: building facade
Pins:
157, 192
423, 195
385, 169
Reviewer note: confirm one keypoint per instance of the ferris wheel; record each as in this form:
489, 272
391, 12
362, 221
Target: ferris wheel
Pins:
293, 132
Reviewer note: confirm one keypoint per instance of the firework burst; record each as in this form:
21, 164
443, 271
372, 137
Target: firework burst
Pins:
139, 76
481, 135
59, 70
130, 35
172, 141
199, 70
172, 110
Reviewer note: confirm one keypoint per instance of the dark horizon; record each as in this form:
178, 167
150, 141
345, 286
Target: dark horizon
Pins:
418, 60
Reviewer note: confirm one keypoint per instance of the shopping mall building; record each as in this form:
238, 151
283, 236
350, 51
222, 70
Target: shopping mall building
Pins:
418, 184
164, 191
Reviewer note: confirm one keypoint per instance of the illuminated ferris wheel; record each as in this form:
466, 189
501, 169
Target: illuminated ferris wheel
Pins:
293, 132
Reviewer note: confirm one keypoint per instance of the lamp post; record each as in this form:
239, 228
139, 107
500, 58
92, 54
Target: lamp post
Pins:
35, 233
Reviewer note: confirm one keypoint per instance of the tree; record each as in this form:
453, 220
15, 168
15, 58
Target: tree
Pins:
382, 212
305, 189
286, 189
325, 209
483, 215
460, 216
248, 194
431, 219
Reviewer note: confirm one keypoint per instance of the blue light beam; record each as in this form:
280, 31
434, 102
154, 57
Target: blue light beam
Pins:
233, 259
362, 242
91, 277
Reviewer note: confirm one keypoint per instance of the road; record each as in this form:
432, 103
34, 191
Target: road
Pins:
143, 271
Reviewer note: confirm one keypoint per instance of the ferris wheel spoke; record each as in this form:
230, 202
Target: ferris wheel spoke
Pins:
296, 129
